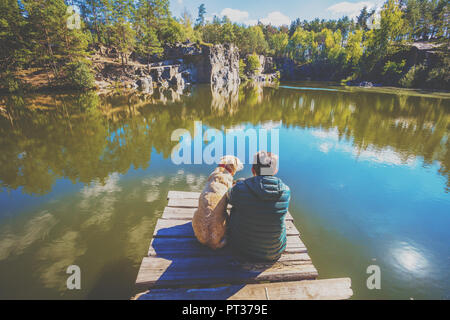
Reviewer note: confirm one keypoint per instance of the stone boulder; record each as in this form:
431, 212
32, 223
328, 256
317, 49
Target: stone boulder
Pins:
145, 85
177, 82
267, 77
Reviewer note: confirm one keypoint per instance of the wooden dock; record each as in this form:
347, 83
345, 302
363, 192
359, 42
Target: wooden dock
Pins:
178, 267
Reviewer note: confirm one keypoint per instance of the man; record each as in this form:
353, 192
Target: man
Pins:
259, 205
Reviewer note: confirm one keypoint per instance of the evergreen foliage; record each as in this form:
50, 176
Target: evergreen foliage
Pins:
35, 34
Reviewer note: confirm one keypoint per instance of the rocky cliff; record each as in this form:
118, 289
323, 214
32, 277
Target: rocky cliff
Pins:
182, 64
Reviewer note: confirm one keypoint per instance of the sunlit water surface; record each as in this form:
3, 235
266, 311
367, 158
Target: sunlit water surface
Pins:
84, 179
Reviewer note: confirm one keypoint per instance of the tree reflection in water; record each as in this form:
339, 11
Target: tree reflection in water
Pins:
86, 137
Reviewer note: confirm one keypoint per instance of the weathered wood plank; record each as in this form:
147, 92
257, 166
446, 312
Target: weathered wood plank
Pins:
183, 195
188, 213
178, 213
183, 229
182, 271
190, 247
183, 203
329, 289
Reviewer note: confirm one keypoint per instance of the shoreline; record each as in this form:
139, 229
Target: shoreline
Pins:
422, 92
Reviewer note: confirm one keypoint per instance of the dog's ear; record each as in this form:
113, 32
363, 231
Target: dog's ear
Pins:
238, 164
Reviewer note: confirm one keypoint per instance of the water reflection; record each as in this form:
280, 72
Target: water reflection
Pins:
358, 164
98, 201
86, 137
409, 259
55, 257
15, 242
386, 155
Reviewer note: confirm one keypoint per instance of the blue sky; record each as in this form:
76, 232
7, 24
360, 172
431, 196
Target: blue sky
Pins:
276, 12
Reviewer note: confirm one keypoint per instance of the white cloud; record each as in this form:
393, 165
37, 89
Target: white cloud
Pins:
385, 155
329, 140
325, 147
332, 134
351, 9
235, 15
276, 18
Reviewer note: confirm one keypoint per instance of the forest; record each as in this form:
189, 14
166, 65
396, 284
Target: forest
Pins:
51, 35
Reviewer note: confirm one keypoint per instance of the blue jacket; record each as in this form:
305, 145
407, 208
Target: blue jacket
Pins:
256, 226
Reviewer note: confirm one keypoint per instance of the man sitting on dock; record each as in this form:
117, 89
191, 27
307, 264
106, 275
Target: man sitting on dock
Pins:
259, 205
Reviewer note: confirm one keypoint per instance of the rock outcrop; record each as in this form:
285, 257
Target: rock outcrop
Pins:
215, 64
182, 65
145, 84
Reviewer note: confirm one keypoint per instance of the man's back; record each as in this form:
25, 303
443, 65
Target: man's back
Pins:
256, 227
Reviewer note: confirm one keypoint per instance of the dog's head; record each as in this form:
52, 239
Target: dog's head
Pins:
232, 164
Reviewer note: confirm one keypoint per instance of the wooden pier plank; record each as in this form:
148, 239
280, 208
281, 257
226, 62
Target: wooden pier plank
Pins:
183, 203
187, 214
190, 247
183, 195
183, 229
329, 289
183, 271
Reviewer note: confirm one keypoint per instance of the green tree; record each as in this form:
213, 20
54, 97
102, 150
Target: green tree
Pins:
150, 17
253, 64
186, 21
393, 71
93, 14
302, 45
122, 33
200, 22
227, 31
242, 68
172, 32
361, 20
54, 44
253, 40
13, 28
412, 16
79, 75
278, 43
392, 24
354, 49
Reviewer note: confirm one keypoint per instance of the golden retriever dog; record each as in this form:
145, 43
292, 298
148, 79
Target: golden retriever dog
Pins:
210, 219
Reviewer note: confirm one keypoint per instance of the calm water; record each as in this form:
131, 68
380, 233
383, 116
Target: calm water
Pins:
84, 179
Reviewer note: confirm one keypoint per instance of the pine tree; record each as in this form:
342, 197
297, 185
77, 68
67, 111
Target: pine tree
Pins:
200, 22
361, 20
13, 26
151, 17
53, 43
122, 35
93, 14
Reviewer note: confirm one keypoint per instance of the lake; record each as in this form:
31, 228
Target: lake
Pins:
85, 177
